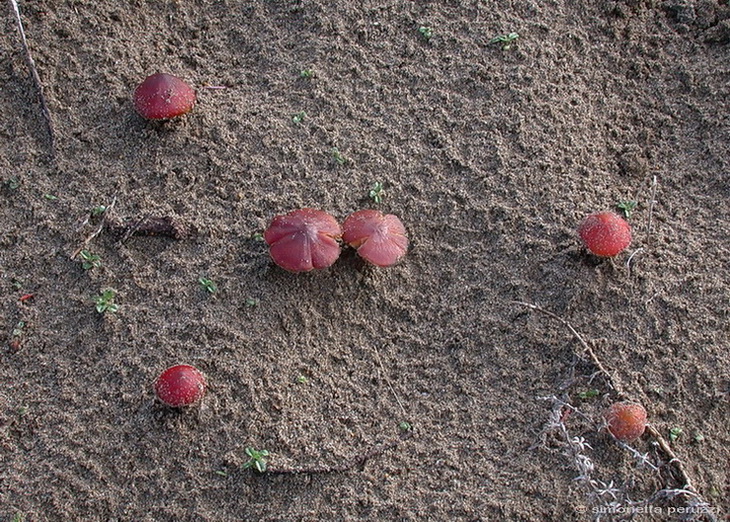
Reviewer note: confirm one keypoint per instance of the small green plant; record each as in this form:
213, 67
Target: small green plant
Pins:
377, 192
257, 236
50, 197
302, 379
208, 285
98, 210
13, 183
221, 472
306, 74
299, 117
426, 32
251, 302
588, 394
699, 438
105, 302
405, 426
89, 260
674, 434
627, 207
505, 40
340, 158
256, 460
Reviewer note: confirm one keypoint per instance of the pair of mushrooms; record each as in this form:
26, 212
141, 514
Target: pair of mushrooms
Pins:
307, 238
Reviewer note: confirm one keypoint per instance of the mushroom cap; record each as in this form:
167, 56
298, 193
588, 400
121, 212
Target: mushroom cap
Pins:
626, 420
605, 234
379, 238
303, 239
163, 96
180, 385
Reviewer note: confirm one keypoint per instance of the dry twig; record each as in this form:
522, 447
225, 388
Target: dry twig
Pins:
34, 75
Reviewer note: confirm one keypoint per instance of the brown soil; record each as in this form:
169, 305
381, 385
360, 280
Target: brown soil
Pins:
490, 156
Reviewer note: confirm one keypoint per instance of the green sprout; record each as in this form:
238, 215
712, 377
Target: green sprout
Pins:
256, 460
302, 379
405, 426
208, 285
257, 236
588, 394
506, 40
377, 192
426, 32
299, 117
626, 207
338, 156
251, 302
89, 260
98, 210
105, 302
306, 74
50, 197
674, 434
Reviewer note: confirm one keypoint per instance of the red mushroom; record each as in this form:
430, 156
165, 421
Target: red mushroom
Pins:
605, 234
180, 385
626, 420
163, 96
303, 239
379, 238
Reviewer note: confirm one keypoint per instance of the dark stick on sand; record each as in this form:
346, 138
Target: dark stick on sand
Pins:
34, 75
162, 226
352, 463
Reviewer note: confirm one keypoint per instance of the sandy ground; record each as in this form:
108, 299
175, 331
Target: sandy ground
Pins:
491, 156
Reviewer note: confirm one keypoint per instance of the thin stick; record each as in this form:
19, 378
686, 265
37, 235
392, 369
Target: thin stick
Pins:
387, 381
651, 207
34, 75
98, 230
358, 460
594, 359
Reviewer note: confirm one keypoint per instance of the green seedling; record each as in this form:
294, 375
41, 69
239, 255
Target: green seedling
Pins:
299, 117
257, 236
377, 192
506, 40
89, 260
302, 379
674, 434
699, 438
306, 74
208, 285
105, 302
98, 210
256, 460
50, 197
251, 302
588, 394
405, 426
426, 32
627, 207
338, 156
221, 472
13, 183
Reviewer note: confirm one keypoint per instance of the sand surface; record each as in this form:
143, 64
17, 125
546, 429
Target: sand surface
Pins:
490, 156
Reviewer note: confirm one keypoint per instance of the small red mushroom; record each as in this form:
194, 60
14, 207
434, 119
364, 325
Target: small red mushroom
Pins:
180, 385
605, 234
303, 239
379, 238
626, 420
163, 96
